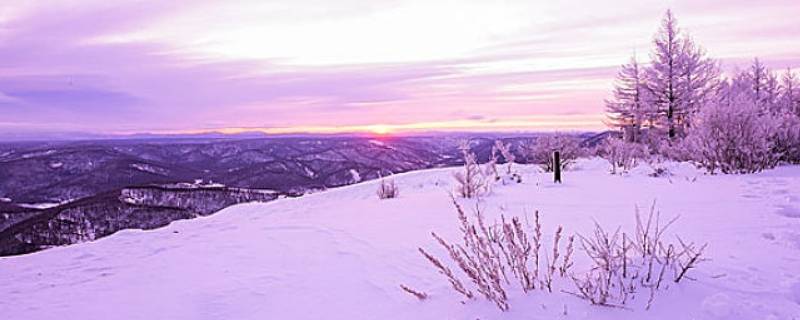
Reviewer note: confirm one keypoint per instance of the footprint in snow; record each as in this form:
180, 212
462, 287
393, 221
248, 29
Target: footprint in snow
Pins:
788, 211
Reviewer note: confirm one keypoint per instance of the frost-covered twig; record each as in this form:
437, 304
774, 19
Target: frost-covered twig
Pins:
418, 294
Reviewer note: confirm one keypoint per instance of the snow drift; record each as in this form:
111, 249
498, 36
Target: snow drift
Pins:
343, 253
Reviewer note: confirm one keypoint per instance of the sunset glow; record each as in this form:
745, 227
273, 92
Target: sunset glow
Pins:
346, 66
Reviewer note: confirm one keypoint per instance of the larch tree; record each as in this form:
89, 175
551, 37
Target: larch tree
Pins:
664, 74
699, 83
680, 79
787, 114
790, 93
627, 110
763, 86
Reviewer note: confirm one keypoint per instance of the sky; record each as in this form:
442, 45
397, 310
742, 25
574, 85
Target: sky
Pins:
328, 66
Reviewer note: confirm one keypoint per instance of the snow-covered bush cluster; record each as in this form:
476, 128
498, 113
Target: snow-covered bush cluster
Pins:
492, 259
540, 151
387, 189
508, 175
623, 155
471, 181
732, 136
624, 264
496, 257
682, 106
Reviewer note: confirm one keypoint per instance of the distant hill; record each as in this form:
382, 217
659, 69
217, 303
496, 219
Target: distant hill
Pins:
57, 193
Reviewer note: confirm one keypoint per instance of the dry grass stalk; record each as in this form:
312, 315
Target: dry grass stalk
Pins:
537, 243
691, 256
418, 294
567, 262
457, 285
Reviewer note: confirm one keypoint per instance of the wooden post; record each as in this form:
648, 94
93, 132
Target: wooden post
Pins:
556, 167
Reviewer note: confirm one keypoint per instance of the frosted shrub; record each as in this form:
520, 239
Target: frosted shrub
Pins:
623, 155
471, 181
495, 259
732, 136
626, 264
388, 190
509, 174
786, 137
490, 168
502, 255
540, 151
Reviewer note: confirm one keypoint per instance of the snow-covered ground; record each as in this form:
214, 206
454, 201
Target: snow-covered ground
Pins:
342, 254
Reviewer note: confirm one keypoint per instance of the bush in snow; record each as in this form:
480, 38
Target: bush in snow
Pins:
472, 181
623, 155
497, 258
732, 135
787, 107
624, 264
786, 137
509, 174
490, 169
490, 255
540, 151
388, 190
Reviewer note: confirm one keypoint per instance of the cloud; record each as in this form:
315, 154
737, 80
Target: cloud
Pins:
160, 66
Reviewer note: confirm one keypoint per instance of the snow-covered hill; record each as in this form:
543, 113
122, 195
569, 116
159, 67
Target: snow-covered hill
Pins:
342, 254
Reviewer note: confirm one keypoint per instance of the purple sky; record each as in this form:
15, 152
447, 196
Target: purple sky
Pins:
327, 66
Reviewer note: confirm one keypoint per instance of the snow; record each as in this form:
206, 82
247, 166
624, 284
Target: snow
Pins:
38, 154
43, 205
381, 144
309, 173
147, 168
342, 253
355, 175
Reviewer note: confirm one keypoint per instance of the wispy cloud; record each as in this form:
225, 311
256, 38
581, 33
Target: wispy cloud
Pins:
320, 65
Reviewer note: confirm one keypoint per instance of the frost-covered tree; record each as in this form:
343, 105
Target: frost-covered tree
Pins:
790, 93
699, 82
628, 110
664, 74
680, 79
540, 151
787, 116
763, 86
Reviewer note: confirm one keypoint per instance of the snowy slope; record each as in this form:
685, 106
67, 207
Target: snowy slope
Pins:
342, 254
